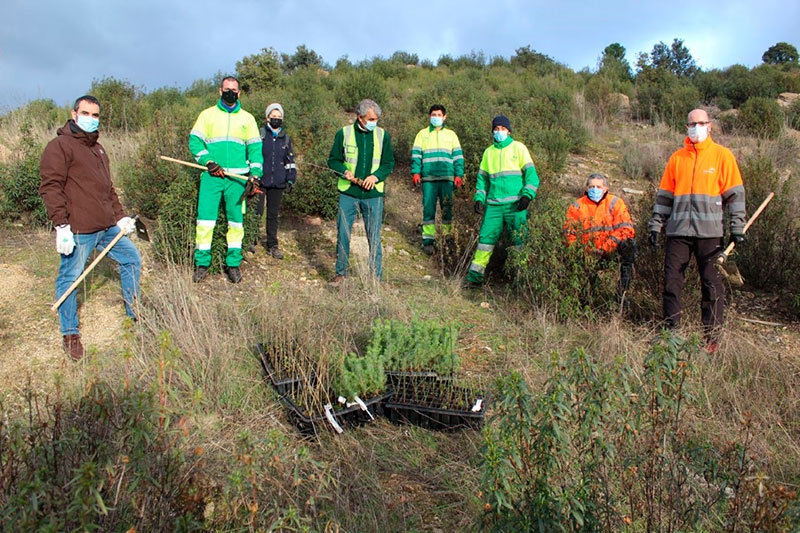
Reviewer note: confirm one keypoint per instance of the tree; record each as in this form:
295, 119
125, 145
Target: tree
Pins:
302, 58
780, 54
675, 59
259, 71
613, 64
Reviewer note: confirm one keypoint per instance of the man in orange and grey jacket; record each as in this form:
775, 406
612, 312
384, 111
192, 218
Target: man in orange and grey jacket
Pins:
700, 181
602, 223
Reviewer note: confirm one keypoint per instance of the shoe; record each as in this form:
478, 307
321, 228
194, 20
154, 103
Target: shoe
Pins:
251, 249
200, 274
472, 285
234, 274
274, 252
336, 281
428, 249
73, 347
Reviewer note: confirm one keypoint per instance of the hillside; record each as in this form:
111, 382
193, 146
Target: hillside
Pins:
241, 448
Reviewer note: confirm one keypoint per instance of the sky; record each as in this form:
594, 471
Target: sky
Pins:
54, 49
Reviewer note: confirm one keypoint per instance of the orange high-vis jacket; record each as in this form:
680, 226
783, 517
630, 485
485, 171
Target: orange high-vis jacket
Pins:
700, 180
600, 226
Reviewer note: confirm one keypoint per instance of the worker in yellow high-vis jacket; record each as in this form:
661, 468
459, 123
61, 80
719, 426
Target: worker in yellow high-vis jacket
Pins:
506, 183
437, 164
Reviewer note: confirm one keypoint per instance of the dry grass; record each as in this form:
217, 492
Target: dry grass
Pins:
203, 335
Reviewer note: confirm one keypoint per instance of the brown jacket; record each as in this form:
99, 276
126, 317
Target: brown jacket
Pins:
76, 182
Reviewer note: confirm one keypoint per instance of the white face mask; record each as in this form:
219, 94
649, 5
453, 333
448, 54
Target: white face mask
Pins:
697, 133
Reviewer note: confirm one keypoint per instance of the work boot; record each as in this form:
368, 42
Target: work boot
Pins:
336, 281
200, 274
275, 252
428, 249
73, 347
234, 274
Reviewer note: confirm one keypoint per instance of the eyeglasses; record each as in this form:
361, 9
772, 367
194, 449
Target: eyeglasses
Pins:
693, 124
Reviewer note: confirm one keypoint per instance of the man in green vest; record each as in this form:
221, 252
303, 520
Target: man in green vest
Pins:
363, 158
504, 187
437, 163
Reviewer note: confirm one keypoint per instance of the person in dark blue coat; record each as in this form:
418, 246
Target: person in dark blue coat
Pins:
280, 173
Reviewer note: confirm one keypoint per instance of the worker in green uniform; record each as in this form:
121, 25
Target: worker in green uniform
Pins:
506, 183
437, 163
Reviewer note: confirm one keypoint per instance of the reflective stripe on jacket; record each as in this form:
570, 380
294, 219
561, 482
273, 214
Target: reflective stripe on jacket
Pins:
437, 155
600, 226
229, 138
699, 181
506, 174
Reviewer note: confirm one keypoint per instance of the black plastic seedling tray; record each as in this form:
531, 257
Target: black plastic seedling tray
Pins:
283, 386
311, 424
435, 404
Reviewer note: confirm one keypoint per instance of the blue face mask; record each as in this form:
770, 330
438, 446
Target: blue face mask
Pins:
595, 193
87, 123
370, 125
500, 136
437, 122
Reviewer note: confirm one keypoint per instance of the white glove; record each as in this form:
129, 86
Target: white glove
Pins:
65, 241
126, 225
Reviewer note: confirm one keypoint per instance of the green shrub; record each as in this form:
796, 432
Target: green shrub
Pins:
147, 176
770, 258
120, 107
761, 117
548, 451
358, 85
19, 188
173, 236
551, 274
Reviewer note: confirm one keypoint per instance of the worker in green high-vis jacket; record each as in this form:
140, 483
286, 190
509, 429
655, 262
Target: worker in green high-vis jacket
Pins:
225, 138
506, 183
437, 164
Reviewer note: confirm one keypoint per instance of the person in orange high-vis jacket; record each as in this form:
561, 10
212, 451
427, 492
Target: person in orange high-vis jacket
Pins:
701, 180
601, 222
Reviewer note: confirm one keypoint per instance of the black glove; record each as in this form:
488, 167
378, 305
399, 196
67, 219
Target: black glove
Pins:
479, 208
653, 239
215, 170
736, 239
523, 203
289, 186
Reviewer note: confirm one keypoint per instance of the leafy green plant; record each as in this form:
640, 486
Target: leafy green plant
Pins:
19, 189
418, 346
761, 117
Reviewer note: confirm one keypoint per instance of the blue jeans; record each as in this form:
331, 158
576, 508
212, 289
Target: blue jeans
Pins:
372, 212
124, 253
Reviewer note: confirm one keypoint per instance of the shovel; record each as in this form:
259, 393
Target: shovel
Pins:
141, 231
730, 271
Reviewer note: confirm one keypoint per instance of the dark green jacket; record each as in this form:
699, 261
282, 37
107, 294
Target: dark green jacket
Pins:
364, 142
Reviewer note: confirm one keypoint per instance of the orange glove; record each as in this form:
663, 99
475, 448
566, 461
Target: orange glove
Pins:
458, 182
416, 179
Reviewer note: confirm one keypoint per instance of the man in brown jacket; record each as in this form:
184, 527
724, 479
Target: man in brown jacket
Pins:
85, 210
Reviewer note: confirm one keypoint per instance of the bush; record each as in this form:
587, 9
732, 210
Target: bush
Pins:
147, 177
358, 85
549, 273
761, 117
548, 451
770, 258
19, 189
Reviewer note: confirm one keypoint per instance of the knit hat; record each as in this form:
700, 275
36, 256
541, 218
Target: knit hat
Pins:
501, 120
270, 107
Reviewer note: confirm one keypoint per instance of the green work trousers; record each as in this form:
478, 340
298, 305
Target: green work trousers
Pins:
495, 218
212, 189
434, 192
